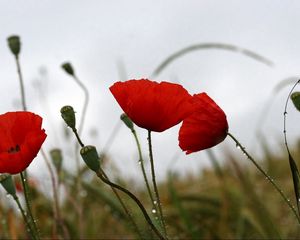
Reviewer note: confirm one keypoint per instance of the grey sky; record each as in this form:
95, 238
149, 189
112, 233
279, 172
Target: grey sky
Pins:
96, 36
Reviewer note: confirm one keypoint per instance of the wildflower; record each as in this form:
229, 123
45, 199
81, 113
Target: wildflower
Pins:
205, 128
21, 139
151, 105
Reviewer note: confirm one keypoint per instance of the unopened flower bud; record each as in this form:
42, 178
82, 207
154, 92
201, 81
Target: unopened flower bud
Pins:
296, 99
14, 44
57, 159
7, 183
68, 68
90, 156
127, 121
68, 114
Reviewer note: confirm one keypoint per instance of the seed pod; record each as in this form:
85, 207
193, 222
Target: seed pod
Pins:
90, 156
68, 114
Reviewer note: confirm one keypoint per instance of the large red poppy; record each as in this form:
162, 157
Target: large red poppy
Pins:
21, 138
205, 128
151, 105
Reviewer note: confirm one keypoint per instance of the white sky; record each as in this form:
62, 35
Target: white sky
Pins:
96, 36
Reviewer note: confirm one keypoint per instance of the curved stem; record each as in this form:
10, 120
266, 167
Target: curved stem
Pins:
141, 162
124, 208
155, 185
287, 201
134, 198
85, 105
27, 222
284, 118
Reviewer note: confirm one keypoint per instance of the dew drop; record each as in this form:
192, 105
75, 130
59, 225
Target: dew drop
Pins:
140, 162
155, 202
153, 211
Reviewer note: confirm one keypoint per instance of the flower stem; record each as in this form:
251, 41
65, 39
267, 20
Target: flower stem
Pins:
27, 222
21, 84
134, 198
28, 205
155, 185
278, 189
57, 214
124, 207
141, 162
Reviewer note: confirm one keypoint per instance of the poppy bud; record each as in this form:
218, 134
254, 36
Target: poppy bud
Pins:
68, 114
296, 100
56, 158
8, 184
14, 44
68, 68
90, 156
127, 121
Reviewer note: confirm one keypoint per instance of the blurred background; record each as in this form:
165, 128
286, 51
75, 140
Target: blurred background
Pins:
108, 41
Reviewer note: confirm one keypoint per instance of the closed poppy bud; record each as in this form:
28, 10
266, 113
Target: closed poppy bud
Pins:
14, 44
68, 68
90, 156
8, 184
127, 121
205, 128
68, 114
56, 158
296, 100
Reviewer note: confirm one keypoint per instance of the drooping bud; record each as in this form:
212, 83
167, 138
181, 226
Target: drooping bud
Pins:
296, 99
57, 159
68, 114
14, 44
127, 121
68, 68
90, 156
7, 183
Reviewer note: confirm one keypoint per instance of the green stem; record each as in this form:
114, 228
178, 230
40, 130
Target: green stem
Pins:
125, 208
27, 222
155, 185
141, 162
287, 201
21, 84
85, 105
57, 214
28, 205
134, 198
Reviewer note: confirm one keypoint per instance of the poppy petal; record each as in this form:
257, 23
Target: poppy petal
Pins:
205, 128
151, 105
21, 138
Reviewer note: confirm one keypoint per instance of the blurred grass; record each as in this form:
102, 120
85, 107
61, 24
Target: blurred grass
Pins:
231, 201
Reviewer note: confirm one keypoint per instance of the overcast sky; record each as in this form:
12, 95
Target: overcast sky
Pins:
102, 37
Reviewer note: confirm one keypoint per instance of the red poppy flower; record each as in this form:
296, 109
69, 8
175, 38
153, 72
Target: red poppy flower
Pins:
151, 105
205, 128
21, 138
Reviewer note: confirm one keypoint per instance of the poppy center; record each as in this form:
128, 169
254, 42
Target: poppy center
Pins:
14, 149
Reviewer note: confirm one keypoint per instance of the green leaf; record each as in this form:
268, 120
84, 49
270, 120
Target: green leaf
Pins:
296, 100
296, 177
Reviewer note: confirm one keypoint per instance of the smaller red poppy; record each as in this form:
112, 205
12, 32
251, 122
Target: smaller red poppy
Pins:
205, 128
151, 105
21, 138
